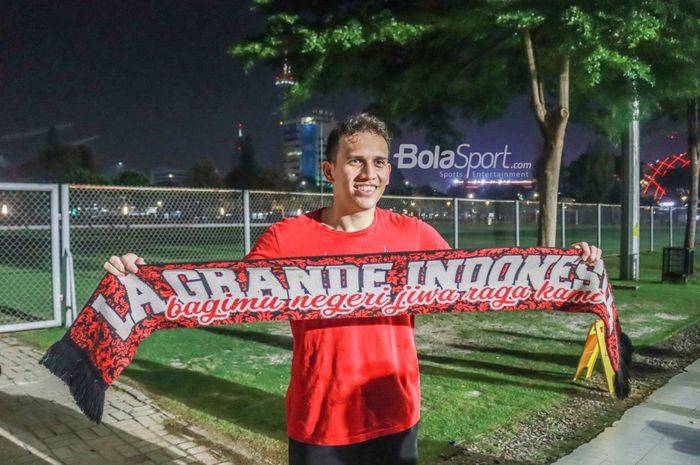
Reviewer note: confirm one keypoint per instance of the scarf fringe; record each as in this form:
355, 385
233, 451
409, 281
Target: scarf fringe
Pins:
70, 363
622, 375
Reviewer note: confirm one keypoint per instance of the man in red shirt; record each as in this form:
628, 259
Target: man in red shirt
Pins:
353, 380
354, 392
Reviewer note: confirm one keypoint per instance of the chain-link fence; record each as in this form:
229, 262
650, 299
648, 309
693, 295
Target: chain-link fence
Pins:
486, 223
29, 257
439, 212
162, 225
268, 207
179, 224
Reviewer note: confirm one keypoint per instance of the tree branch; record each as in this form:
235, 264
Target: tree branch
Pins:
564, 75
536, 87
559, 121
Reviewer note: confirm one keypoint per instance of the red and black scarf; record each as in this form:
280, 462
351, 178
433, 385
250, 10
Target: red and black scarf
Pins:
123, 311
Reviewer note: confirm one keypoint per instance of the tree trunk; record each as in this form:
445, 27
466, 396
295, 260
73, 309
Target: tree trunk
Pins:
548, 192
552, 125
693, 154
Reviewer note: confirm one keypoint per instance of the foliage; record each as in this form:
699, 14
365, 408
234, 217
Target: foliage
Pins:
246, 174
63, 163
131, 178
204, 174
398, 185
427, 63
245, 171
457, 59
594, 177
80, 175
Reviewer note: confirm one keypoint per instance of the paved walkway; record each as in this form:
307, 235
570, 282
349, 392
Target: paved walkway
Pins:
664, 430
40, 424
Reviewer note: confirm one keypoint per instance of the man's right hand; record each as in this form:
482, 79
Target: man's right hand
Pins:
120, 266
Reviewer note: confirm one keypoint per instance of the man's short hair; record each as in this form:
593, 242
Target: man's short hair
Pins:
355, 124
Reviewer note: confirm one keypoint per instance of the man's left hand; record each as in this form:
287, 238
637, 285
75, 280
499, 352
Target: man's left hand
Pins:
590, 254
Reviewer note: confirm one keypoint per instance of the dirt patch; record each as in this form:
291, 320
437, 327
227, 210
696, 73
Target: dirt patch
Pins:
543, 437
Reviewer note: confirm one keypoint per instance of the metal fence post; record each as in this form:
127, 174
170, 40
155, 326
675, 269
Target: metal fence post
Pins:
55, 255
563, 225
670, 226
455, 223
651, 230
517, 223
67, 256
246, 220
599, 237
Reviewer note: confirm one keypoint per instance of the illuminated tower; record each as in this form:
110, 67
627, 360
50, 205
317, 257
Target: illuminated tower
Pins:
285, 80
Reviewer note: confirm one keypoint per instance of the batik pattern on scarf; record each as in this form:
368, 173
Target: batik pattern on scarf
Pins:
123, 311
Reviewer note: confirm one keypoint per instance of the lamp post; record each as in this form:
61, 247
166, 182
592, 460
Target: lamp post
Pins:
629, 251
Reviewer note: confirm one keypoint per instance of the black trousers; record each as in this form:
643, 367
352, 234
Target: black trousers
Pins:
395, 449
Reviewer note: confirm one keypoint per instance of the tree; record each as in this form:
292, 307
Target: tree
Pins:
204, 174
245, 172
131, 178
680, 90
64, 163
594, 176
676, 58
425, 63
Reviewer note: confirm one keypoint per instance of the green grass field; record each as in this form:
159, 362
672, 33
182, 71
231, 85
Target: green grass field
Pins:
479, 372
25, 268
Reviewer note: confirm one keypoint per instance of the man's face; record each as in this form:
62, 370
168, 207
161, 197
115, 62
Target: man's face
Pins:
360, 172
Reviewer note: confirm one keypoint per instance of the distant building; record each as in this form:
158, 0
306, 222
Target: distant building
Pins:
304, 145
167, 177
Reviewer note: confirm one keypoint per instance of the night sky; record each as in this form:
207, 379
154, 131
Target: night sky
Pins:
155, 82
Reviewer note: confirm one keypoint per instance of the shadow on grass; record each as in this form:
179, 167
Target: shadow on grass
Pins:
286, 342
535, 336
567, 360
499, 368
560, 387
245, 406
275, 340
571, 361
15, 315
